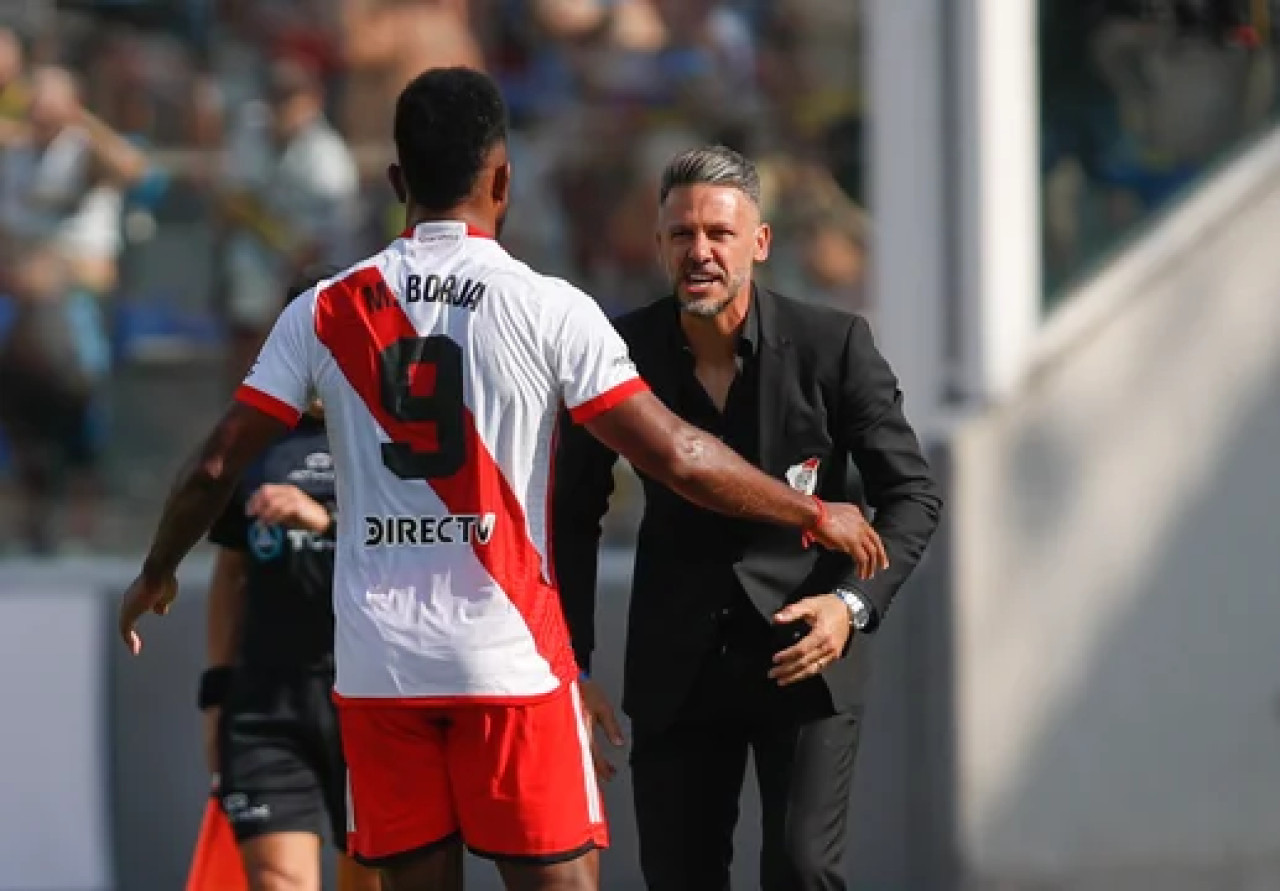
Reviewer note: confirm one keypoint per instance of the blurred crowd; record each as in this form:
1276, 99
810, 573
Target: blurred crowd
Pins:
168, 166
1139, 98
218, 147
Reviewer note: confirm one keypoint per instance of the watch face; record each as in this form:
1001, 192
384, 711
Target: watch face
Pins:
856, 607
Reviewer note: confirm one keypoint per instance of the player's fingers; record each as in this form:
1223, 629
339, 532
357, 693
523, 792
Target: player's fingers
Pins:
793, 612
254, 504
130, 637
862, 558
129, 613
802, 671
797, 655
266, 500
165, 600
870, 544
269, 515
612, 729
604, 768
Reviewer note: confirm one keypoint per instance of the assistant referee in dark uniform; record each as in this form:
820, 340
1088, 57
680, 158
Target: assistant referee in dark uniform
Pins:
271, 727
740, 637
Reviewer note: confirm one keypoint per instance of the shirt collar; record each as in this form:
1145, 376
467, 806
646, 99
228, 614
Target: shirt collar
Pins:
439, 230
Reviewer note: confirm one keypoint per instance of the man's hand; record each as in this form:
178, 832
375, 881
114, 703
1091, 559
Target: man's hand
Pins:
285, 505
829, 628
845, 528
599, 713
146, 594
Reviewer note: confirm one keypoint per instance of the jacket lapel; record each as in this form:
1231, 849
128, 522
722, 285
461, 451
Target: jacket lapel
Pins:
775, 377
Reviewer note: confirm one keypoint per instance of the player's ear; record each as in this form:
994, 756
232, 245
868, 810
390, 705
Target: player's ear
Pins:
501, 189
395, 176
764, 238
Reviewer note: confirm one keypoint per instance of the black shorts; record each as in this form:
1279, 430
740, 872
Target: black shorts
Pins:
281, 757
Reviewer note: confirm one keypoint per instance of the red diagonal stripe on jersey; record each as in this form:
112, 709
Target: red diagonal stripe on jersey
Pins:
356, 334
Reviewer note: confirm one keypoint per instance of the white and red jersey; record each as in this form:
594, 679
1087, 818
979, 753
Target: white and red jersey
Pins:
443, 363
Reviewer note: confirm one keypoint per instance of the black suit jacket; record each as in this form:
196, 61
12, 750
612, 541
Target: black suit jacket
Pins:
824, 392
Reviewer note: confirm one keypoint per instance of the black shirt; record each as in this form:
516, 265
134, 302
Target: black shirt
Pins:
711, 542
288, 617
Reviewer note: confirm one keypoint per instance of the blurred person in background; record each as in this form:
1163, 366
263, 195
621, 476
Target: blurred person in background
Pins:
709, 61
61, 192
271, 728
14, 95
809, 66
741, 639
819, 251
384, 44
290, 201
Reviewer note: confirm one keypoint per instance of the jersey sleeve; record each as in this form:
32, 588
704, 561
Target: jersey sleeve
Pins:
592, 364
281, 379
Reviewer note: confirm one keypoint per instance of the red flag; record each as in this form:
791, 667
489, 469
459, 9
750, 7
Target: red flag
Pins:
216, 864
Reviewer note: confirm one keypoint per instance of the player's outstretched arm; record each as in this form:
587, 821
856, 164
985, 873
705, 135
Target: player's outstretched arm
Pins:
199, 493
699, 467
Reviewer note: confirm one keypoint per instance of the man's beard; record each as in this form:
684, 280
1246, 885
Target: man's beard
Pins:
710, 307
706, 307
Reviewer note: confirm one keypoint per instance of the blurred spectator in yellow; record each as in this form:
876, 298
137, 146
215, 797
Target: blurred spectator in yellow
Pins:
61, 192
290, 201
810, 65
14, 96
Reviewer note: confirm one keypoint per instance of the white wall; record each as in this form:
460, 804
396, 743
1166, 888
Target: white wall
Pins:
1117, 601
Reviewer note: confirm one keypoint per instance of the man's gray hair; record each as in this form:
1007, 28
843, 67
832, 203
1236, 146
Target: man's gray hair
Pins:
715, 165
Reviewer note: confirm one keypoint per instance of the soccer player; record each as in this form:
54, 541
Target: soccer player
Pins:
442, 363
271, 731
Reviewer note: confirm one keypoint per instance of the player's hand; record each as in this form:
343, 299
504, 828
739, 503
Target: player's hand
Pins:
285, 505
598, 712
829, 630
210, 718
845, 528
143, 596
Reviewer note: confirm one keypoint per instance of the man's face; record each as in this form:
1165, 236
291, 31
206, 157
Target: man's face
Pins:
709, 238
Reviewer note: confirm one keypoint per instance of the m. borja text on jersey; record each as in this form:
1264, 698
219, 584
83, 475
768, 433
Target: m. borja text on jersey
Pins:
452, 290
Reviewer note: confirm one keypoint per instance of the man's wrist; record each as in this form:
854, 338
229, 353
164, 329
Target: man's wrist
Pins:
155, 571
819, 517
859, 610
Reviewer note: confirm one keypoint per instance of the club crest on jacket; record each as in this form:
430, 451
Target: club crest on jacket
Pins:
803, 477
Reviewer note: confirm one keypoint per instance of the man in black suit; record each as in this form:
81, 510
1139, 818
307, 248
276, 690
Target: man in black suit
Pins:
741, 637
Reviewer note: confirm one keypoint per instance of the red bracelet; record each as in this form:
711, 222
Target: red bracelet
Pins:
808, 539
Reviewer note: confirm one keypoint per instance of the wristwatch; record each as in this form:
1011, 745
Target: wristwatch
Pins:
859, 612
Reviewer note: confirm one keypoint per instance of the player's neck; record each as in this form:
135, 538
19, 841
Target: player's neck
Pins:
465, 213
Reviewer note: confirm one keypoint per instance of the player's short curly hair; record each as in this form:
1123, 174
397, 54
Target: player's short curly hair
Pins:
447, 121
